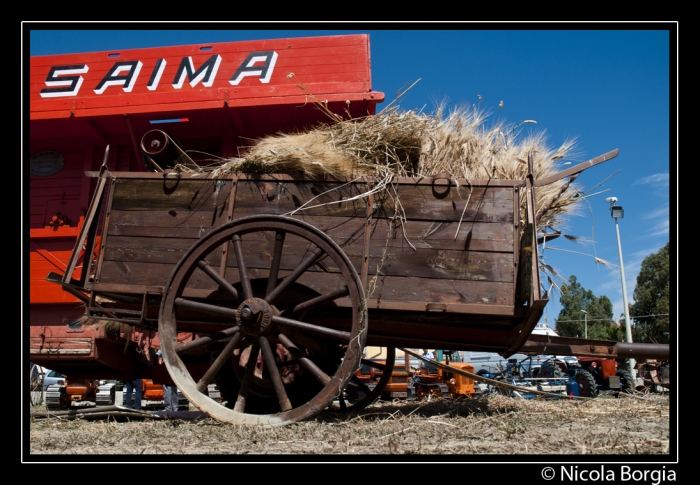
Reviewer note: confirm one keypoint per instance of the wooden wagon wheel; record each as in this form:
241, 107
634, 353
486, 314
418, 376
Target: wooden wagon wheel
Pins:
357, 387
288, 363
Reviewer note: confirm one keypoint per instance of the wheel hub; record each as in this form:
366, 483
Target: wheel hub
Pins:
254, 317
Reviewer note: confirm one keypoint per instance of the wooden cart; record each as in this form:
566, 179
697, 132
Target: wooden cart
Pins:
270, 286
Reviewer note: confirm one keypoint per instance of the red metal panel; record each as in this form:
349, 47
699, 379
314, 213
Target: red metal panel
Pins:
59, 192
201, 76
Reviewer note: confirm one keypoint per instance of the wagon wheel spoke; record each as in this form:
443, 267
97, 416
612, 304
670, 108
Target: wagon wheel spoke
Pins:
247, 378
277, 383
321, 299
242, 269
275, 266
310, 260
308, 364
339, 335
220, 280
207, 340
218, 363
206, 307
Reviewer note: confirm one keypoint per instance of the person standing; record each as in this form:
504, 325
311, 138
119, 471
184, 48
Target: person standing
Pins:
135, 387
425, 367
135, 384
170, 399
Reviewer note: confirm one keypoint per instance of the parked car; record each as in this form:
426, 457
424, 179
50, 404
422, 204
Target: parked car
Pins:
39, 374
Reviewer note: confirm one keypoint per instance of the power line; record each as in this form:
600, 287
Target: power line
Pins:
612, 320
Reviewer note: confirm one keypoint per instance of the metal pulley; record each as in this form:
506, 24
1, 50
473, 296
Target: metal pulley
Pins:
160, 148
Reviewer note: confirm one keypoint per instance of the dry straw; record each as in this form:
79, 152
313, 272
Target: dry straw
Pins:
409, 143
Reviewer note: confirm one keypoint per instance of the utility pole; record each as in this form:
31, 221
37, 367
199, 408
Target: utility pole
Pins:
617, 212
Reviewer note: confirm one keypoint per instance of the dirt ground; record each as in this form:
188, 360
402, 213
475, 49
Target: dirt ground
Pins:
640, 424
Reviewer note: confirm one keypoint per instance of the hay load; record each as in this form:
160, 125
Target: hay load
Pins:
410, 143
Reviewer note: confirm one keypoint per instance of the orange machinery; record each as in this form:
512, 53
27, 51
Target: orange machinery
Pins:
404, 382
85, 390
74, 391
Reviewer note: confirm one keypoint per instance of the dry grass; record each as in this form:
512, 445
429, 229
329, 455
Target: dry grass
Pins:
461, 429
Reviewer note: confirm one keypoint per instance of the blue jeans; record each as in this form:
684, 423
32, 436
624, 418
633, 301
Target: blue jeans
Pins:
170, 400
135, 386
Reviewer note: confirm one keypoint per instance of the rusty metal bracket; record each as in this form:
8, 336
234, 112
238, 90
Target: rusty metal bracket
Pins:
539, 344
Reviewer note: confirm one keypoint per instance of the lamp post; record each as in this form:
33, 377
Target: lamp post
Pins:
617, 212
585, 323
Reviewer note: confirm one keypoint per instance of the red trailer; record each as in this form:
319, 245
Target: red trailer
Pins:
211, 98
226, 274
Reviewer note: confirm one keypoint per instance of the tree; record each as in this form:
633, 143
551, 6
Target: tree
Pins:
571, 321
651, 299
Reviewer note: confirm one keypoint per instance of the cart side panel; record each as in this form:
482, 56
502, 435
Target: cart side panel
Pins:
152, 222
473, 268
418, 260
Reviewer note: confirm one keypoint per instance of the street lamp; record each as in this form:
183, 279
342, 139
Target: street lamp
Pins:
617, 213
585, 323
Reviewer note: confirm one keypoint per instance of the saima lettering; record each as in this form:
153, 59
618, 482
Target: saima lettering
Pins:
67, 81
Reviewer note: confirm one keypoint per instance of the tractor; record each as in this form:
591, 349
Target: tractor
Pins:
601, 375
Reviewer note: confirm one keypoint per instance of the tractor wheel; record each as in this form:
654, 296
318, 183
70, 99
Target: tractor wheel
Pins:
627, 382
587, 386
551, 370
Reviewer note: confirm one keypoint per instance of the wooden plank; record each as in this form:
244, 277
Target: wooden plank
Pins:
136, 274
173, 195
258, 250
402, 290
443, 291
171, 223
424, 202
471, 235
281, 198
147, 249
417, 201
389, 289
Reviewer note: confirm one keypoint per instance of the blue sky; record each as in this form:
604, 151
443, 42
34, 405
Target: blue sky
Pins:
608, 85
